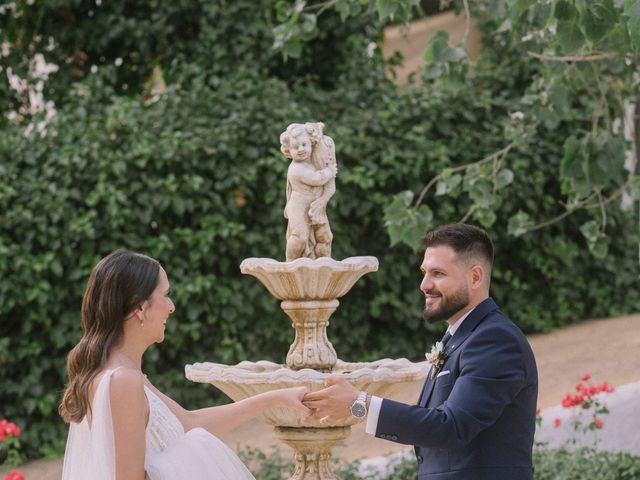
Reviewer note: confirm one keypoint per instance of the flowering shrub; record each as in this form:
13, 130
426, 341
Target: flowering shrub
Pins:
588, 398
14, 475
10, 446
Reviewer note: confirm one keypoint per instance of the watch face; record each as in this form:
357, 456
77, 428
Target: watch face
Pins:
358, 410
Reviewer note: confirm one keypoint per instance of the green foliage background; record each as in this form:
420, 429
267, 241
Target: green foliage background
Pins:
194, 177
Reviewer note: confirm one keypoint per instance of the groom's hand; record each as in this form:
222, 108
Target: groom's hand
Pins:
333, 403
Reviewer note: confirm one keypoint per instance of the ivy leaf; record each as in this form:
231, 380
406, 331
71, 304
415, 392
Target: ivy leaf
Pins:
599, 19
481, 194
448, 184
504, 178
519, 224
404, 223
597, 241
574, 168
437, 46
632, 12
418, 222
610, 158
386, 8
564, 11
486, 217
634, 187
452, 55
570, 37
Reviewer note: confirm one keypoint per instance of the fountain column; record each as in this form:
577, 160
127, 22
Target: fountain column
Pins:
311, 347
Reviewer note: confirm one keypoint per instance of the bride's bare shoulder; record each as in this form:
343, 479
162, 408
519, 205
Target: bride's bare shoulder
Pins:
126, 391
124, 378
121, 381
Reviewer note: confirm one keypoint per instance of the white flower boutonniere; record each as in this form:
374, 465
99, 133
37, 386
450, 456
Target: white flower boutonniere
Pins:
436, 357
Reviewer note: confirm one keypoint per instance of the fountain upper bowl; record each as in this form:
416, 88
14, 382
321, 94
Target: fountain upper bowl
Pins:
309, 279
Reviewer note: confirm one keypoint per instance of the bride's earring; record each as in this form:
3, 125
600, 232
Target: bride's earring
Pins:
142, 318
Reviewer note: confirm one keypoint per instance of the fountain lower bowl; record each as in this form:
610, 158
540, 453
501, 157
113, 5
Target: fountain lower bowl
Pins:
384, 378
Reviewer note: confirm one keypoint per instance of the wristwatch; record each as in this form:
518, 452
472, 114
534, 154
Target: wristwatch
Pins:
359, 407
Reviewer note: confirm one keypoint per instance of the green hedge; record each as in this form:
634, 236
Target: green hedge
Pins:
195, 178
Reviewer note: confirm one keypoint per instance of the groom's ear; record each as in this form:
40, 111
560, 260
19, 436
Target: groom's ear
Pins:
477, 276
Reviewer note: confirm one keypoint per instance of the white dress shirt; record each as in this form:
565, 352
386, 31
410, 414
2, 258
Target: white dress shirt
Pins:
373, 411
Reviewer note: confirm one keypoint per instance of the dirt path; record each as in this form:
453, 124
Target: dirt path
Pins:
609, 349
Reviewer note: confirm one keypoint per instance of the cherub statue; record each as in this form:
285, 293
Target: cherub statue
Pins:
310, 185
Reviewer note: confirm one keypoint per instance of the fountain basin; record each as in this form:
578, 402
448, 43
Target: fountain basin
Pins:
384, 378
309, 279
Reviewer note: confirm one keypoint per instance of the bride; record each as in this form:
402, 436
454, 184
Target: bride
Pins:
121, 426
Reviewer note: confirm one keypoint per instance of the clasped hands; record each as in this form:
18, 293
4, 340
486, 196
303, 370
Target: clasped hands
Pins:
333, 403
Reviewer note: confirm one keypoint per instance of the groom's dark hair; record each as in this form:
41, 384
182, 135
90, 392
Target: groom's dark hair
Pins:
469, 242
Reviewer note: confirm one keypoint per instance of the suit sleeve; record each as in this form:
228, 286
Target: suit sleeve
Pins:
492, 373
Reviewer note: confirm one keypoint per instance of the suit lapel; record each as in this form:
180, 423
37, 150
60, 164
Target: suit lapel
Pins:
468, 325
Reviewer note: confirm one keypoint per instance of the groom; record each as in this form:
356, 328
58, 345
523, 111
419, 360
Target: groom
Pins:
475, 417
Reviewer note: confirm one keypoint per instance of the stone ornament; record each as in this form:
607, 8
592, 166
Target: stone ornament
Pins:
310, 185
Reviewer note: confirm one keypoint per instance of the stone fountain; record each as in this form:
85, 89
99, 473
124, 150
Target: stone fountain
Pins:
308, 285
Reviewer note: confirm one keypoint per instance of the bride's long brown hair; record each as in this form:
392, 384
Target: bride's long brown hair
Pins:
118, 284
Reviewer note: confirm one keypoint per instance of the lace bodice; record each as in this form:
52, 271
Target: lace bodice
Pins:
164, 427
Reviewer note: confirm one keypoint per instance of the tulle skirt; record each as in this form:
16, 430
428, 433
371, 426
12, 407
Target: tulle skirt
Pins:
196, 456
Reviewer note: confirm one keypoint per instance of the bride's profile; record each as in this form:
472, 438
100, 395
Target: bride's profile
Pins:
121, 426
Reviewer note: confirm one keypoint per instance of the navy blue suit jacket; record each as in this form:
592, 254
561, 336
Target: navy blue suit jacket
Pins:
476, 419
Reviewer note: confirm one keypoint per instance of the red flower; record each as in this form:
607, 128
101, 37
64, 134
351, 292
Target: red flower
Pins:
605, 387
8, 429
14, 475
585, 377
537, 411
557, 422
598, 423
572, 400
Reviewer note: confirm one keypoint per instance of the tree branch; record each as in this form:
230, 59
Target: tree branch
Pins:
574, 58
467, 22
585, 204
500, 153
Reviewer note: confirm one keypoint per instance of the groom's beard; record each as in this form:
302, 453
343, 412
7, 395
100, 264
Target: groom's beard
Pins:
447, 307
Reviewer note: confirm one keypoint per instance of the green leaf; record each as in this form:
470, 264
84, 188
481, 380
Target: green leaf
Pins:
448, 184
437, 46
395, 212
504, 178
404, 223
519, 224
569, 35
599, 18
590, 230
574, 168
481, 194
386, 8
485, 217
632, 12
452, 55
597, 241
564, 11
634, 187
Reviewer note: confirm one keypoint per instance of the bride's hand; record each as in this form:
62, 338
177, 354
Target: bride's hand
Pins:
292, 398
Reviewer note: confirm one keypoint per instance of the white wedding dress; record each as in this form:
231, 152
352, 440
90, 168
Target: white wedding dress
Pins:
171, 454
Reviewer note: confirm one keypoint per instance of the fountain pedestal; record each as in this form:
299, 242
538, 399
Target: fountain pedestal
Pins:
312, 447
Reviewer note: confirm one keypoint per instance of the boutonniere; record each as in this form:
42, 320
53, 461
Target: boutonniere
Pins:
436, 357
